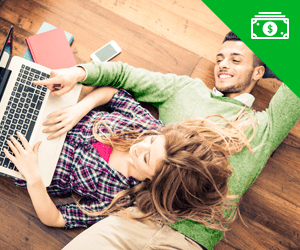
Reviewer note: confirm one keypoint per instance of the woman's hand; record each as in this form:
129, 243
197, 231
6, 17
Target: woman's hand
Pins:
24, 158
61, 81
26, 161
63, 120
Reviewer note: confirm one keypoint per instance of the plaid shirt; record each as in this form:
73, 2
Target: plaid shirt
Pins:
82, 170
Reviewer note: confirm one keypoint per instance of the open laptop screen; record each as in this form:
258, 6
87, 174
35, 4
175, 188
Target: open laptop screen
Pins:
8, 41
4, 72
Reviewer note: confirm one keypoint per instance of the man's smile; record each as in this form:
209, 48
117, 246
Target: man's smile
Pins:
223, 75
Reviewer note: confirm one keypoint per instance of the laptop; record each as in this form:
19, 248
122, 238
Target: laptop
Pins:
24, 106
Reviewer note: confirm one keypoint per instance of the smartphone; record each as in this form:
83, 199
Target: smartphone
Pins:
107, 52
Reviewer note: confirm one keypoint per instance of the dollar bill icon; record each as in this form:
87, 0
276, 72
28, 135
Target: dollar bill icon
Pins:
270, 25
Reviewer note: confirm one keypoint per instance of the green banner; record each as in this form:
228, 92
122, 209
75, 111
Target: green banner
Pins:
270, 29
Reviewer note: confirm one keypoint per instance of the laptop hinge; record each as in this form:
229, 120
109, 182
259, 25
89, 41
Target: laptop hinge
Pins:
4, 77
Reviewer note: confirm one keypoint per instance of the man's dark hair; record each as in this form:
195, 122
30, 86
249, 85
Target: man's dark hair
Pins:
233, 37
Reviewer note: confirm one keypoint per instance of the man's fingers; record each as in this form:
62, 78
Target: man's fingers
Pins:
50, 81
60, 92
49, 86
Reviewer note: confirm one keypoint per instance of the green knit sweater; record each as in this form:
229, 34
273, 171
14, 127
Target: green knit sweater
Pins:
181, 97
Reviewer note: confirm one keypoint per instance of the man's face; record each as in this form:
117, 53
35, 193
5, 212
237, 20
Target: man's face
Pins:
234, 68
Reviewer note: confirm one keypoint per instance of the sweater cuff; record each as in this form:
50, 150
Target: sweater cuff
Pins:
92, 70
82, 66
86, 80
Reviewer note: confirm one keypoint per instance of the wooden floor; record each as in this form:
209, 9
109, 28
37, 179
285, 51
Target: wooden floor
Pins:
178, 36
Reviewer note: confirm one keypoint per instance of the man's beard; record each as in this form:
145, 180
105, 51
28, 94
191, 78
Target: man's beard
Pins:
240, 87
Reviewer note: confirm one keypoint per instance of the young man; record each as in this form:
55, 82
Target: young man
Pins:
178, 98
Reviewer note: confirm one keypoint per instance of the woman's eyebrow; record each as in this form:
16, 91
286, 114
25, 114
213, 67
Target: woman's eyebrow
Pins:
150, 148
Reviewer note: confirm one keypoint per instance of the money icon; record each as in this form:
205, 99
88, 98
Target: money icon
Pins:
270, 25
270, 28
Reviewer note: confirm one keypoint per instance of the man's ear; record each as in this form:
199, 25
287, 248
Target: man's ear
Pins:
258, 73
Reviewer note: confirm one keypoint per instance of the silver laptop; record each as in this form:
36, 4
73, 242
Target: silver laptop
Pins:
25, 106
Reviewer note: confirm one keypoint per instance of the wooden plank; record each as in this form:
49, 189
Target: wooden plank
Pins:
26, 228
258, 236
271, 84
204, 70
98, 26
281, 178
19, 43
273, 213
195, 11
293, 138
223, 245
240, 237
287, 155
195, 28
18, 197
295, 132
10, 193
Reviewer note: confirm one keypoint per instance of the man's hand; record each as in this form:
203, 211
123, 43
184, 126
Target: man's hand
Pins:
63, 120
61, 81
24, 158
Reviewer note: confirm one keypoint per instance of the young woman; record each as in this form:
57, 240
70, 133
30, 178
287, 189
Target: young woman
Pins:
171, 172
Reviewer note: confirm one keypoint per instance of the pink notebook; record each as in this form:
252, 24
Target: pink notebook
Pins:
51, 49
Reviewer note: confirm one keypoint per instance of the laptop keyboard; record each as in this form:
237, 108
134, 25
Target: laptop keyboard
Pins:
22, 110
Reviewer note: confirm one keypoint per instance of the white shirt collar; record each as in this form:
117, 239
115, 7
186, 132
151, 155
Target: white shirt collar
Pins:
245, 98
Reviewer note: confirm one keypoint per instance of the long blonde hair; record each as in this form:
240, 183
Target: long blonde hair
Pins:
191, 182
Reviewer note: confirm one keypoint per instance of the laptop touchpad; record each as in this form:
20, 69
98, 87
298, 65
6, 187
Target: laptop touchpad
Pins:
51, 147
48, 146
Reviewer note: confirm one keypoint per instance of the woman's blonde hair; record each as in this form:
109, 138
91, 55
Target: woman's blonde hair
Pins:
191, 182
